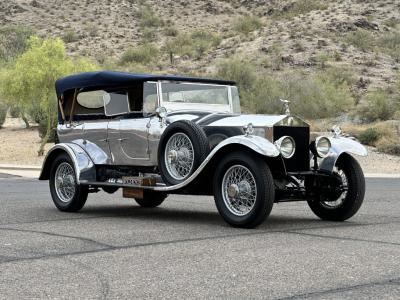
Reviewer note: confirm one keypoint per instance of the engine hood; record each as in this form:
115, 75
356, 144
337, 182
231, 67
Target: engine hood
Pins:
230, 120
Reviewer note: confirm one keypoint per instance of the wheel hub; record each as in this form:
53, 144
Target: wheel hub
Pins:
172, 156
233, 190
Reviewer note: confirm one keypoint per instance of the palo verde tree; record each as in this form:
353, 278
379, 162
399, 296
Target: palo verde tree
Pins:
30, 80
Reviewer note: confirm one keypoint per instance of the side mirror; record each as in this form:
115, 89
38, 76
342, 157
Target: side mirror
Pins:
161, 112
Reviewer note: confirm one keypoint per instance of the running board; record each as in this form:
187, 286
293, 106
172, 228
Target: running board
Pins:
157, 187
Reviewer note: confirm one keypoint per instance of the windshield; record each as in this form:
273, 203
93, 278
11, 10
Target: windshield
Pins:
199, 96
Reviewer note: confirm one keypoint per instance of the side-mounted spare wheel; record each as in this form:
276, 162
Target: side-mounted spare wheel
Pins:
66, 193
183, 147
243, 189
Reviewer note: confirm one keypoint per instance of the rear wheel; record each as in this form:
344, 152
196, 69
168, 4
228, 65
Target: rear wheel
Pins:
243, 190
352, 190
151, 199
67, 195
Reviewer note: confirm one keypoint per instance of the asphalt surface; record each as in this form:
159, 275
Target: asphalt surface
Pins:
183, 249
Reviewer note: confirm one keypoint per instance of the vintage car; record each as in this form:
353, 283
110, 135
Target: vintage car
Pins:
153, 135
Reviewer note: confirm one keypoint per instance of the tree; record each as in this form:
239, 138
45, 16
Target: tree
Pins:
30, 79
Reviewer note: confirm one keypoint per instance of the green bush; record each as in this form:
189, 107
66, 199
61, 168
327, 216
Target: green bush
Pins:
377, 105
369, 136
142, 54
247, 24
3, 113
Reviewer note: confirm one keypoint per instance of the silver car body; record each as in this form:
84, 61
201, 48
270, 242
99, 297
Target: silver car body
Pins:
134, 141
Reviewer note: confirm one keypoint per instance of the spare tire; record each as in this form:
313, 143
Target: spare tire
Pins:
183, 147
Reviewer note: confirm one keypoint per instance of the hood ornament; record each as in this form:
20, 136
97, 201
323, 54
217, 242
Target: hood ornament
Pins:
286, 105
337, 131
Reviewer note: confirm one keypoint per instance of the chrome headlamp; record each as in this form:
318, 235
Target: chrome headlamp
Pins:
322, 145
286, 146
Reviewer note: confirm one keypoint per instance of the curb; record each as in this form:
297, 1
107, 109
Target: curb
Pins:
381, 175
20, 167
39, 168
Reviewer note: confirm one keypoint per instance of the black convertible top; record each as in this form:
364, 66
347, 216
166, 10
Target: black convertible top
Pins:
109, 79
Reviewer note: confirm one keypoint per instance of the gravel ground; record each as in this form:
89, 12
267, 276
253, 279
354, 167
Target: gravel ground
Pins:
19, 146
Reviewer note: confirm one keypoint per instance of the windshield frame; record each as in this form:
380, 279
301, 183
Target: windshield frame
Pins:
211, 107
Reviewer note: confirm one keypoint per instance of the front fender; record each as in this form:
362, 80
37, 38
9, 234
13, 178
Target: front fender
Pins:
341, 145
255, 143
258, 144
84, 166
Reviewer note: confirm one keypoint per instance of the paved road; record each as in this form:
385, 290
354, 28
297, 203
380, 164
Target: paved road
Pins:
115, 249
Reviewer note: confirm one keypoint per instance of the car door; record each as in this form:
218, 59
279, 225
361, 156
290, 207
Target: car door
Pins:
134, 141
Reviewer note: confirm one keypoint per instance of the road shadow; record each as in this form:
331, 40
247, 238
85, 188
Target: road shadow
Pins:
187, 217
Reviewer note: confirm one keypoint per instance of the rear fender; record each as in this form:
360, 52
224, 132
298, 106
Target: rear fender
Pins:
84, 166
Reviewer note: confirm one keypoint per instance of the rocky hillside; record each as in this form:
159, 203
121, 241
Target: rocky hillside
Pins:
363, 35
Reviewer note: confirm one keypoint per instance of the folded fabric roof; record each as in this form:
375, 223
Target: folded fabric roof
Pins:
109, 79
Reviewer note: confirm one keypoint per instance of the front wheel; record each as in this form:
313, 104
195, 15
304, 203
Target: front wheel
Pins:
348, 201
67, 195
243, 190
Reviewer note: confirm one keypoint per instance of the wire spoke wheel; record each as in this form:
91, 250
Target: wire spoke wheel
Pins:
239, 190
179, 156
343, 187
65, 182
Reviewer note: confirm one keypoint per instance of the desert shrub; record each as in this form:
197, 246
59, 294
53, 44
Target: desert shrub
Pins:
301, 7
3, 113
361, 39
142, 54
170, 31
193, 44
312, 96
389, 144
389, 43
377, 105
339, 76
148, 35
369, 136
315, 96
148, 18
247, 24
239, 70
92, 30
70, 36
13, 41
